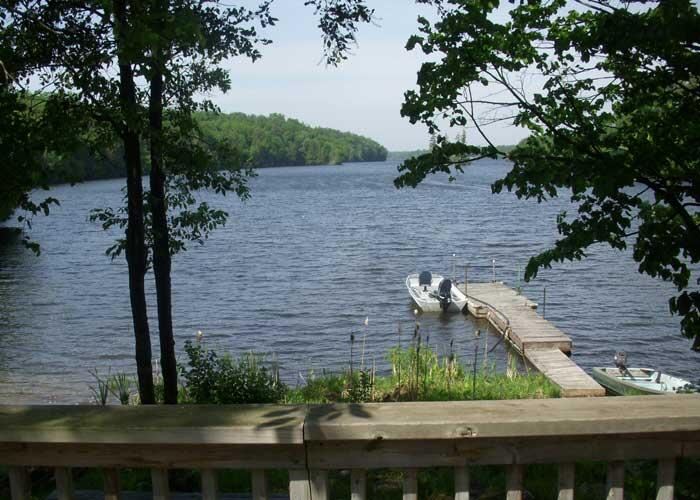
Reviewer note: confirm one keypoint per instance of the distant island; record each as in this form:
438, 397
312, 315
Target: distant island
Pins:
262, 141
404, 155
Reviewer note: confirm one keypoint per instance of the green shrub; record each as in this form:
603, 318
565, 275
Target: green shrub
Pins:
213, 379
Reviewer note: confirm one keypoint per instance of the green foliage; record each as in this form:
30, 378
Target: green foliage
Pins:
193, 165
213, 379
612, 111
35, 134
120, 385
274, 140
418, 373
338, 22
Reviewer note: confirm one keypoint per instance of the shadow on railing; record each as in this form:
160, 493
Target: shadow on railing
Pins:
311, 440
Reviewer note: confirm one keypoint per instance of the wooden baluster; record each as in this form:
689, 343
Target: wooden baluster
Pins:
259, 483
514, 482
615, 481
567, 475
210, 486
64, 483
665, 478
319, 485
462, 483
161, 487
110, 479
19, 483
358, 484
410, 484
299, 485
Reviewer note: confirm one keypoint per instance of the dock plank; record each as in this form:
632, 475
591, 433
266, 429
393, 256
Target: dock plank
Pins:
542, 344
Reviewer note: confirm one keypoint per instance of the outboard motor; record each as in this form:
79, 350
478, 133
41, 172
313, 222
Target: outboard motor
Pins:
445, 294
621, 361
425, 279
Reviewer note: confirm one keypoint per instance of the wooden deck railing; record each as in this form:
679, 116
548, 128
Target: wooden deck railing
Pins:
310, 441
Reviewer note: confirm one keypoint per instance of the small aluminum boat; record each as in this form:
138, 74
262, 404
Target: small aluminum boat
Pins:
433, 293
640, 381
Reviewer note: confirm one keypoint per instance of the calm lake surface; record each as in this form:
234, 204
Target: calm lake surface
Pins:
300, 265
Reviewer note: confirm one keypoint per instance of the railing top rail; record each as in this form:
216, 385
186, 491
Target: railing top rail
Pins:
504, 419
157, 424
293, 425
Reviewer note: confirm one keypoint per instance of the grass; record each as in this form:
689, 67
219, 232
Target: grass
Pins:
419, 373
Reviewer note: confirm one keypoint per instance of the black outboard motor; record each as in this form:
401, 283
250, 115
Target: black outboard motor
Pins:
445, 294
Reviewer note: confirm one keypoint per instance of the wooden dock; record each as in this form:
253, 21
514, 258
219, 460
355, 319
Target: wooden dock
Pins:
541, 343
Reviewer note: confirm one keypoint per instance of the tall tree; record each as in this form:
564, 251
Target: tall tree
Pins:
136, 253
161, 237
614, 124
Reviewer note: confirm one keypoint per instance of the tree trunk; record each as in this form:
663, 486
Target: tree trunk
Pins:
135, 240
161, 237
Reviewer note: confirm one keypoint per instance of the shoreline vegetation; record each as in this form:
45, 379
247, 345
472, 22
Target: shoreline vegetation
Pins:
260, 141
405, 155
417, 373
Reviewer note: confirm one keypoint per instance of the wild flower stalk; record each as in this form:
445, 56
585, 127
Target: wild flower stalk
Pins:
352, 344
364, 338
399, 371
486, 349
425, 364
417, 371
477, 334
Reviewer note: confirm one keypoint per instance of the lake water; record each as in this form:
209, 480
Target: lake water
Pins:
300, 265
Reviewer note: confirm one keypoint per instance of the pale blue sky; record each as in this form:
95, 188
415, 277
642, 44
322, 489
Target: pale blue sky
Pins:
363, 95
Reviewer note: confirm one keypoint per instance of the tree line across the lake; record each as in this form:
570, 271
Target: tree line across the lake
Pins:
260, 141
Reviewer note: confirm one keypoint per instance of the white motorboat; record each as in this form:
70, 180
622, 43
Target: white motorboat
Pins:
624, 381
637, 381
434, 293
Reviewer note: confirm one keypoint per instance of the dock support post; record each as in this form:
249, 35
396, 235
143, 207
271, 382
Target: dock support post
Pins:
544, 302
466, 290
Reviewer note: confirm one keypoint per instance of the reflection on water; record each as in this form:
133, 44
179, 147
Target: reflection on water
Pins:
299, 267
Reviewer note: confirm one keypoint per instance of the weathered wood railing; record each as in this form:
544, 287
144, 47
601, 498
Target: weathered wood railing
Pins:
309, 441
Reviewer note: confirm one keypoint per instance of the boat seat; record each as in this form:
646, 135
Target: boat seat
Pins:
425, 279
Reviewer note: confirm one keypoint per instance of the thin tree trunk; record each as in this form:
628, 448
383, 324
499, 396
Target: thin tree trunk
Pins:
161, 237
135, 239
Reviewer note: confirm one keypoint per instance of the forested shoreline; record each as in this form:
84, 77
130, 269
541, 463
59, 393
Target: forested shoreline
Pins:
261, 141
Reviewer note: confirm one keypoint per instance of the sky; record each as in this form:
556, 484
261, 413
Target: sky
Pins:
363, 95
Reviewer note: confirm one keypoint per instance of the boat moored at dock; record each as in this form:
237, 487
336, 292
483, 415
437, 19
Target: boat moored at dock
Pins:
640, 381
434, 293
